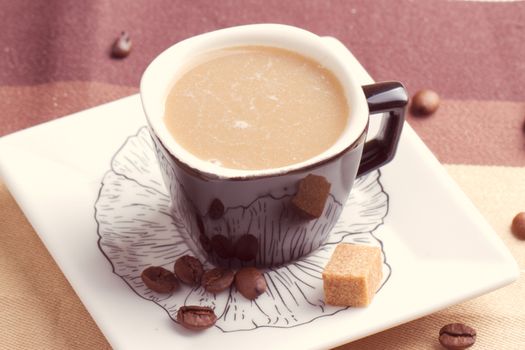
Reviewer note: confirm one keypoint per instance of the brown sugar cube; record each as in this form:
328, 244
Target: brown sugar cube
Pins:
311, 196
352, 275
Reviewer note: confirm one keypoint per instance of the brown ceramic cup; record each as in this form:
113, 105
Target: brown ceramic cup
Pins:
245, 217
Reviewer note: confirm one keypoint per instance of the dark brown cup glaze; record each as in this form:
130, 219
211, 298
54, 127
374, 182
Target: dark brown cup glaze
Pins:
261, 206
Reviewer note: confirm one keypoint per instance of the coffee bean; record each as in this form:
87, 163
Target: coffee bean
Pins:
159, 280
425, 102
246, 247
196, 317
216, 210
222, 246
457, 336
189, 270
518, 226
218, 279
250, 282
122, 46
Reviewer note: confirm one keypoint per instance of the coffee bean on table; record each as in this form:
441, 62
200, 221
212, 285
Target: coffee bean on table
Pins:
122, 46
250, 282
457, 336
222, 246
218, 279
216, 210
196, 317
246, 247
159, 280
425, 102
189, 270
518, 226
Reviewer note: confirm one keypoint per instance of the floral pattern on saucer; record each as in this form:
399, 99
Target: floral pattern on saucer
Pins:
137, 228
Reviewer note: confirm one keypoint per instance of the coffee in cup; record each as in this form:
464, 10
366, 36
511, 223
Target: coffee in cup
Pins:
256, 107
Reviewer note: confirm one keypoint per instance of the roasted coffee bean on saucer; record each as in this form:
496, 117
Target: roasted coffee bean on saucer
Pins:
196, 317
457, 336
189, 270
159, 280
424, 103
217, 280
250, 282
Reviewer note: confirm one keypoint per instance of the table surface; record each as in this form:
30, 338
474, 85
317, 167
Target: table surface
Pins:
55, 61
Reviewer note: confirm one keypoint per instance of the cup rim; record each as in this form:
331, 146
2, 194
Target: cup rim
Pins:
160, 75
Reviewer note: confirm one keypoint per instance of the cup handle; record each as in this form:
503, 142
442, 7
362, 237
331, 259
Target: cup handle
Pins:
391, 97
